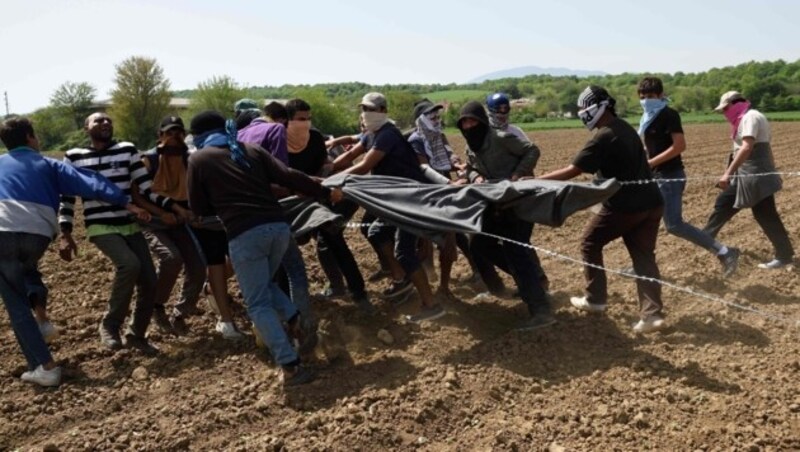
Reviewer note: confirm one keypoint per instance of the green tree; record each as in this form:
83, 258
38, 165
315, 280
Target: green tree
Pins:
51, 126
330, 116
140, 100
218, 93
74, 100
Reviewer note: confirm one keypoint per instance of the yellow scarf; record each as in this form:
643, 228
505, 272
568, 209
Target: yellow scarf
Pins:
170, 180
297, 135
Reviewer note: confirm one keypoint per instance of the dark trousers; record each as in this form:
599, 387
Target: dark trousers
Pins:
765, 214
639, 231
333, 240
516, 260
332, 258
175, 250
134, 268
19, 254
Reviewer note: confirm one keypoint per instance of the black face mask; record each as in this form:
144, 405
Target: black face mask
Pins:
475, 136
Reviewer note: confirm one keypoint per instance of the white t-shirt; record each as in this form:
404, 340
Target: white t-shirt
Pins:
754, 124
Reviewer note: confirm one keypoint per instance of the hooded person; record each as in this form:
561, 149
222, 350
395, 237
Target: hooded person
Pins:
632, 213
495, 156
428, 139
499, 107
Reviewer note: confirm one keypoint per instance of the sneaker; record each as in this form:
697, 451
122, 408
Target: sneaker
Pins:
730, 262
141, 344
775, 264
228, 331
49, 332
379, 275
583, 304
43, 377
536, 322
179, 325
296, 375
399, 292
648, 326
431, 313
161, 320
110, 338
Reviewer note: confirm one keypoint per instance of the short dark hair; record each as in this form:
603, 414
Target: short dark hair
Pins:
15, 132
274, 110
295, 105
651, 85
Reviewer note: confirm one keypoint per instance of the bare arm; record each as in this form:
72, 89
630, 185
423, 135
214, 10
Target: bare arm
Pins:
678, 146
565, 173
373, 157
742, 155
346, 159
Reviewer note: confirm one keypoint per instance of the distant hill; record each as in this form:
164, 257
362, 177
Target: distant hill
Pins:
535, 70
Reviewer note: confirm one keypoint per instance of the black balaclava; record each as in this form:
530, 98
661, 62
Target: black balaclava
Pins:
476, 135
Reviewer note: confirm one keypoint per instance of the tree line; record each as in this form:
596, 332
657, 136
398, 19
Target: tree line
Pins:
142, 93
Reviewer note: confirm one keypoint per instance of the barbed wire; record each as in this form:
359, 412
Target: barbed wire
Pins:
704, 177
703, 295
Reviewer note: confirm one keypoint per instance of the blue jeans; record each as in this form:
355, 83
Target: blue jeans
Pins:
256, 255
672, 192
19, 254
295, 268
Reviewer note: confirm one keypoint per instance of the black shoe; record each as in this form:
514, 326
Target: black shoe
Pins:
110, 338
161, 320
536, 322
730, 262
296, 375
398, 289
141, 344
379, 275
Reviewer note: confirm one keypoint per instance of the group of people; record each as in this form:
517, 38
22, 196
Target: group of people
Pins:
214, 205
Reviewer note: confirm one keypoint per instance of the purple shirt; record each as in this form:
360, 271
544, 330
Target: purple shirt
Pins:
269, 135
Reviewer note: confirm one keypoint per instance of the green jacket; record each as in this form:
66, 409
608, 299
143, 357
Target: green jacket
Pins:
503, 155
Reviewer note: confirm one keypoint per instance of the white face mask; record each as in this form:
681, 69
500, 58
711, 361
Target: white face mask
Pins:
373, 120
590, 116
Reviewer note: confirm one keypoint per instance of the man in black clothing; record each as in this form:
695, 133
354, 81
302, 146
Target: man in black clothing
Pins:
232, 180
633, 213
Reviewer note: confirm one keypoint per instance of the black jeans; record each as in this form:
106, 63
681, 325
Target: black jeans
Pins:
516, 260
765, 214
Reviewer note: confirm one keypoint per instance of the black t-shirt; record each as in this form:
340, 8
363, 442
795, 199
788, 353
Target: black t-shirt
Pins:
616, 151
311, 159
658, 138
399, 158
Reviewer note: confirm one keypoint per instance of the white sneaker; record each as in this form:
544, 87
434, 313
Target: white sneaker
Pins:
583, 304
648, 326
774, 264
49, 332
43, 377
228, 330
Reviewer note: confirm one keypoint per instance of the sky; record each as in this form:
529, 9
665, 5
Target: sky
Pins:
48, 42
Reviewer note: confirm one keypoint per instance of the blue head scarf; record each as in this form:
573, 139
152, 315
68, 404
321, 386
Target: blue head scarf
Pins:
224, 137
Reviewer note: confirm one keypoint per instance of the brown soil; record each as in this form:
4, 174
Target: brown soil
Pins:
717, 379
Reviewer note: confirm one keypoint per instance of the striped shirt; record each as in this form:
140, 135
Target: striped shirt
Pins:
122, 165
